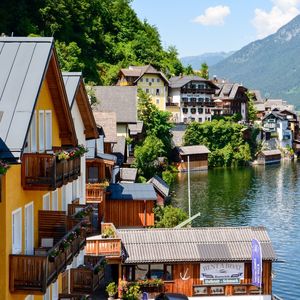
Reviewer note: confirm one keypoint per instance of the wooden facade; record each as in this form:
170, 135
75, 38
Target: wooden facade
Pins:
269, 157
130, 213
186, 280
197, 162
97, 170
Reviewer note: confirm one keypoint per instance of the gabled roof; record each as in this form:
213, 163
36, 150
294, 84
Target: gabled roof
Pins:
180, 81
131, 191
119, 149
271, 152
190, 150
275, 114
128, 175
194, 244
160, 185
140, 71
75, 90
119, 99
25, 63
108, 122
228, 91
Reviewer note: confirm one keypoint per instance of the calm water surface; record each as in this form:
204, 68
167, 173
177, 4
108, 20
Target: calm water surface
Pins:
268, 196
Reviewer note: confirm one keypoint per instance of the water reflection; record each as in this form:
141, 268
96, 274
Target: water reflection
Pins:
266, 196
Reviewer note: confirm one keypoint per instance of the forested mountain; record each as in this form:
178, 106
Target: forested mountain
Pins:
96, 36
271, 65
209, 58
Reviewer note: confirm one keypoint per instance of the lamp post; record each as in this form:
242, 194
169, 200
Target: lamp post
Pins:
189, 186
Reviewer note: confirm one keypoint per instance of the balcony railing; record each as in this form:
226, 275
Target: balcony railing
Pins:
73, 297
95, 192
34, 273
86, 278
42, 171
197, 91
108, 245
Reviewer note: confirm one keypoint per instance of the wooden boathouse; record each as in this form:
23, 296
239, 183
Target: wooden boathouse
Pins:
201, 262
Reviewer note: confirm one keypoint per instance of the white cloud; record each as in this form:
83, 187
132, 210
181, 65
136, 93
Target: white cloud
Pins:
213, 16
281, 13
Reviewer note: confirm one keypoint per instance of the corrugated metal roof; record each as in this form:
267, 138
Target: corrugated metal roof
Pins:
160, 185
190, 150
128, 174
119, 99
71, 81
131, 191
194, 244
23, 63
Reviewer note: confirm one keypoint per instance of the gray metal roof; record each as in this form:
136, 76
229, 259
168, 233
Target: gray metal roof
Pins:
119, 99
107, 156
71, 81
131, 191
136, 128
194, 244
128, 175
108, 122
160, 185
119, 149
227, 91
180, 81
190, 150
23, 62
271, 152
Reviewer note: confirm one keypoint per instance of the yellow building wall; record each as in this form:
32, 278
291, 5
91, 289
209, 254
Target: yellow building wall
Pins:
14, 197
152, 85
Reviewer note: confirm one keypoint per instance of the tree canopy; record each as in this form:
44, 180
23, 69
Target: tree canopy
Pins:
223, 138
97, 36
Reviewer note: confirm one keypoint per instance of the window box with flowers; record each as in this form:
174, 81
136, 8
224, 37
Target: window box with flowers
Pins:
3, 167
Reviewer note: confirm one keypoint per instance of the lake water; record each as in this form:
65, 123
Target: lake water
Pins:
268, 196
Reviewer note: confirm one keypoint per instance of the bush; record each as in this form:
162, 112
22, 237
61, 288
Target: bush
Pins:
168, 216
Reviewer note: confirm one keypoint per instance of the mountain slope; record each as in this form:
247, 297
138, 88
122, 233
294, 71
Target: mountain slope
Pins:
209, 58
271, 65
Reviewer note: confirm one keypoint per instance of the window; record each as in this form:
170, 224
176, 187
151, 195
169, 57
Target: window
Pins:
152, 79
54, 200
200, 110
48, 129
192, 119
157, 101
147, 79
33, 134
41, 131
17, 231
55, 290
29, 229
185, 110
147, 91
150, 83
157, 92
193, 110
240, 289
93, 174
64, 198
217, 290
74, 190
200, 120
46, 202
158, 80
141, 80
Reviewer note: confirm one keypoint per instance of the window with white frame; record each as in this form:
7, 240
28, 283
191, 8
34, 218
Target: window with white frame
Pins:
17, 231
33, 134
46, 201
55, 290
64, 198
48, 129
54, 200
41, 130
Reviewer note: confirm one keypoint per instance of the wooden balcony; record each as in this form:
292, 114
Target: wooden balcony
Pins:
108, 245
197, 91
86, 278
95, 192
42, 171
34, 273
73, 297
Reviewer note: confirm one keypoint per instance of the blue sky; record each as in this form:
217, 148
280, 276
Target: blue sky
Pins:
200, 26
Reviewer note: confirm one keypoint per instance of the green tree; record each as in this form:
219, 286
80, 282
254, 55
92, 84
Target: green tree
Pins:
189, 70
225, 140
252, 112
168, 216
204, 71
146, 156
156, 122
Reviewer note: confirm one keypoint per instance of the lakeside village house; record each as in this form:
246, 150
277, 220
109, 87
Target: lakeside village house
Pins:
65, 211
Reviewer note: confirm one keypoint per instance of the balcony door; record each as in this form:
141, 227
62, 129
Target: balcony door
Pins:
17, 231
29, 229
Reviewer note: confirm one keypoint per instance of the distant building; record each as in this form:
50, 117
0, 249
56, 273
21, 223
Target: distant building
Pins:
161, 188
150, 80
190, 99
276, 125
230, 99
268, 157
